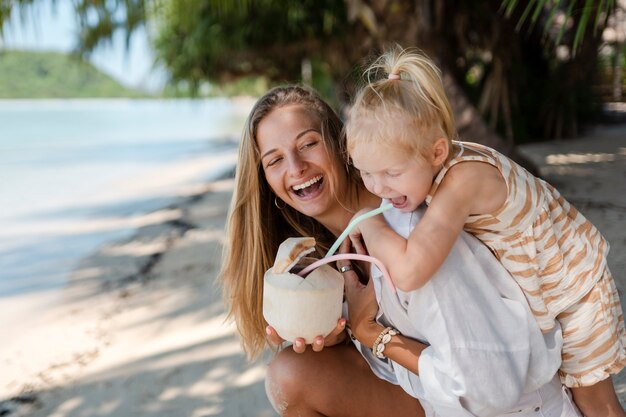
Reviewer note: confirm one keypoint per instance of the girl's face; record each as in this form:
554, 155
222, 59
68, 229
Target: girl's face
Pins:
395, 174
296, 164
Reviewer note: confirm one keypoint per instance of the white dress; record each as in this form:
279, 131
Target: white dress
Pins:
487, 355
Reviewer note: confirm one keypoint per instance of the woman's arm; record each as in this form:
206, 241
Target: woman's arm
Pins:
362, 308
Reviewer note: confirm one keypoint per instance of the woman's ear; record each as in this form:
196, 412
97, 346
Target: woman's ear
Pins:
440, 150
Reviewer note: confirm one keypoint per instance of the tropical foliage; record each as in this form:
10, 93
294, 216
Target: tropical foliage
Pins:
526, 69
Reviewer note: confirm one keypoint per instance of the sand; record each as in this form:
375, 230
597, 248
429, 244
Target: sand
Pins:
141, 329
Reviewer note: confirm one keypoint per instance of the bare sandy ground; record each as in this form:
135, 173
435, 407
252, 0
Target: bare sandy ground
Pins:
141, 330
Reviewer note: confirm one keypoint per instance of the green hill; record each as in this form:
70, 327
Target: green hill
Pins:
28, 74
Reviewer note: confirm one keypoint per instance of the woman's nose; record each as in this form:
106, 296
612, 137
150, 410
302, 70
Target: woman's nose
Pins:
296, 167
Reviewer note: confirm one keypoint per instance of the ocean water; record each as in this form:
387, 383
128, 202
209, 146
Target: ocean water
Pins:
71, 171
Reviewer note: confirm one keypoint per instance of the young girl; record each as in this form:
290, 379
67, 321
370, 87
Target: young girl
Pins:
400, 132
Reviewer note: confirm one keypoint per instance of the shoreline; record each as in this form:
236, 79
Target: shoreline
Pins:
74, 227
109, 318
140, 329
82, 176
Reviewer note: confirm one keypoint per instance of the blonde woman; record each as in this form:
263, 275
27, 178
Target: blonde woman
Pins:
264, 212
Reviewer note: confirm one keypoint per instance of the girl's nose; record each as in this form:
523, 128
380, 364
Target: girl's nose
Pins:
378, 187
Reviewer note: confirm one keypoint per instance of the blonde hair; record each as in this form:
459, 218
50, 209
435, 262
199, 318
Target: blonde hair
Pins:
256, 227
409, 109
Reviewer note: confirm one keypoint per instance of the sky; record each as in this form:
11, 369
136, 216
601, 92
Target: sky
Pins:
52, 26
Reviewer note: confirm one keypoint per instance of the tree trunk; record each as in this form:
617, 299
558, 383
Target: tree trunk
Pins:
617, 72
472, 128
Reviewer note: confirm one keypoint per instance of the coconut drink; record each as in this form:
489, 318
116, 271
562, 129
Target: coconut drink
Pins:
297, 306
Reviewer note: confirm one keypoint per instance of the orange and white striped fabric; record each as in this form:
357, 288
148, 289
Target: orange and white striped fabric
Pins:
558, 258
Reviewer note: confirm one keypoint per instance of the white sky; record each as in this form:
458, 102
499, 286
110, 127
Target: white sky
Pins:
52, 27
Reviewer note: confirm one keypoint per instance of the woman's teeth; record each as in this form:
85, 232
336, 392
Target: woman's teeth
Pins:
306, 184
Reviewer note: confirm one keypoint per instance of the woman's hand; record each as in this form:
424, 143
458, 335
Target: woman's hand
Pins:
337, 336
362, 304
362, 309
363, 266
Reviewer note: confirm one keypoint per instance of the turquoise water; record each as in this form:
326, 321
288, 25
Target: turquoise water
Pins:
64, 163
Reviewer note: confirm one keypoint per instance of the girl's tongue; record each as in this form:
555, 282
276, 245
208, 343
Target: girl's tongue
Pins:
398, 202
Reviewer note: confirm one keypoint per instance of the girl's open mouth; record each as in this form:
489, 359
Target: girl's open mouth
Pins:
399, 202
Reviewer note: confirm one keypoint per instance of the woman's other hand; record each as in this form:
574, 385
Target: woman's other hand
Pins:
337, 336
347, 246
362, 309
361, 299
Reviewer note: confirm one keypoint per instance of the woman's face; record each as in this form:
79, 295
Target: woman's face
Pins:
296, 164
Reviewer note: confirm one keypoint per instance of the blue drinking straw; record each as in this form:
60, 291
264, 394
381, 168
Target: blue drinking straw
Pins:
353, 223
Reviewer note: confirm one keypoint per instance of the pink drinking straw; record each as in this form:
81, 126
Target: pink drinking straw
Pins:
352, 257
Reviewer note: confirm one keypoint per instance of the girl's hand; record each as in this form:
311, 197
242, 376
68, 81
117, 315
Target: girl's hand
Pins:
369, 225
338, 335
355, 235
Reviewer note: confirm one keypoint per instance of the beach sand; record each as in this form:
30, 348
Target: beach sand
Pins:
141, 329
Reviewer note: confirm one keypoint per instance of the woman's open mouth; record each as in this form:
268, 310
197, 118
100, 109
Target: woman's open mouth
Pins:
310, 188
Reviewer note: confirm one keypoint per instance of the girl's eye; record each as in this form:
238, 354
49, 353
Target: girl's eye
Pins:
393, 174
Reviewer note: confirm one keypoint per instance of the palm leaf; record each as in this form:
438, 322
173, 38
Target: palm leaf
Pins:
536, 9
564, 24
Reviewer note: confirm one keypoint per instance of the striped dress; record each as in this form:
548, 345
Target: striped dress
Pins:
553, 252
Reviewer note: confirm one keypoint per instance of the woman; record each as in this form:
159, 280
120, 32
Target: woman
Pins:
260, 220
292, 181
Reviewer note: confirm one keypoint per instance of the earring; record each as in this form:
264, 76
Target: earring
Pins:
277, 205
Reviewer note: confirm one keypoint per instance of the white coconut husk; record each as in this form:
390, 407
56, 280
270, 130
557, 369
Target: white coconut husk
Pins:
301, 307
291, 251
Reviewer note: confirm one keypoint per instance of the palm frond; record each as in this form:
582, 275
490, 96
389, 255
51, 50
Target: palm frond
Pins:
579, 11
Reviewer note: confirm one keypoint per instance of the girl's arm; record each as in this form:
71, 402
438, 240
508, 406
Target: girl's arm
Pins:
468, 188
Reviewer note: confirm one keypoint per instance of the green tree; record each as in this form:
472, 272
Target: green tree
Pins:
510, 76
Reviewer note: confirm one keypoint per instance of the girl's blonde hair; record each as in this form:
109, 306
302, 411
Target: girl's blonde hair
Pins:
256, 226
408, 109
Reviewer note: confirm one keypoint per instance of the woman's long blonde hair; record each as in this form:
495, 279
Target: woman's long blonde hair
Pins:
256, 227
408, 109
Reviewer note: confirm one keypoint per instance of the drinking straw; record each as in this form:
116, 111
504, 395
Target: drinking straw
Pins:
349, 256
353, 223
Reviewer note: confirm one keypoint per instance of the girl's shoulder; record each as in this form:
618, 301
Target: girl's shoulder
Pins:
471, 151
470, 162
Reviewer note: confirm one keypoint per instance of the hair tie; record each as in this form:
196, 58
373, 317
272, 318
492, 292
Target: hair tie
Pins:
393, 76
